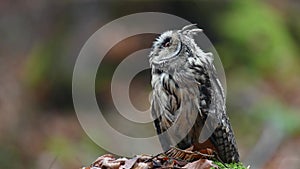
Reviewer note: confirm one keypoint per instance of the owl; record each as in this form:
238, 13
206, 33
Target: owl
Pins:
188, 101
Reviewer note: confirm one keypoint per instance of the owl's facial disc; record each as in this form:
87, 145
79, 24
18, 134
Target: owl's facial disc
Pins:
166, 48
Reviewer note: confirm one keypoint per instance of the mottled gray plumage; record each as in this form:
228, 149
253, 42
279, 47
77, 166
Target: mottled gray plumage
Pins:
187, 96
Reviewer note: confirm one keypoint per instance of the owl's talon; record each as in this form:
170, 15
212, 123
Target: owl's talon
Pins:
188, 155
190, 148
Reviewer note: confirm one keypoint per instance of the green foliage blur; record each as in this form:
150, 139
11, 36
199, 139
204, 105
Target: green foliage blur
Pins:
257, 41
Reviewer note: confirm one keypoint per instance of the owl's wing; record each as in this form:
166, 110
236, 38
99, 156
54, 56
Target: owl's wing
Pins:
218, 122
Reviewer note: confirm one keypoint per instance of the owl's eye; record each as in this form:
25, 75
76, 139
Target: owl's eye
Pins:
167, 42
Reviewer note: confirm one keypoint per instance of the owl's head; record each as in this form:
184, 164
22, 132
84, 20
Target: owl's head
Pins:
172, 48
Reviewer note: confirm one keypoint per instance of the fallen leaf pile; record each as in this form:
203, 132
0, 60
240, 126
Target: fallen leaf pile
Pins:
161, 161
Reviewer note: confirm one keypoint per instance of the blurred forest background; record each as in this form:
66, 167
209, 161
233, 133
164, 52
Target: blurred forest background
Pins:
257, 41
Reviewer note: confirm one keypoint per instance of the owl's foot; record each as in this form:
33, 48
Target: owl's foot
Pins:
189, 154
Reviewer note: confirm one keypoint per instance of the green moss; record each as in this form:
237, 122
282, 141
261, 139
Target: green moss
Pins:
230, 166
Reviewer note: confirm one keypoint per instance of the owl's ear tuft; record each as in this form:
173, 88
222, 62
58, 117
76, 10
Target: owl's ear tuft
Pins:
187, 27
194, 31
190, 32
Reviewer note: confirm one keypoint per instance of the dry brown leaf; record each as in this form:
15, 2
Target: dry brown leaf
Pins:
129, 163
99, 161
145, 157
141, 165
169, 164
200, 164
108, 163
